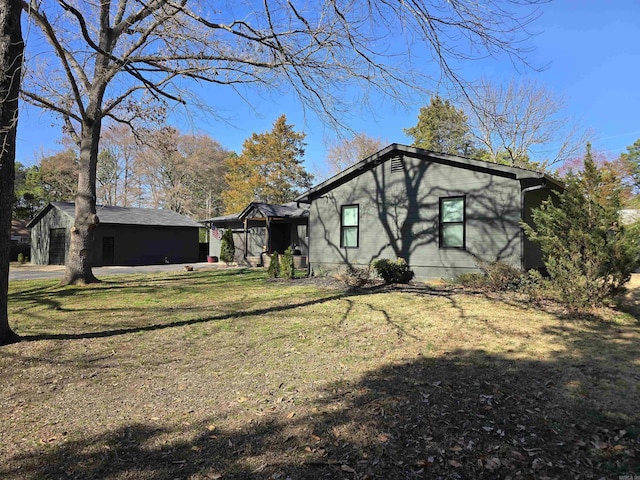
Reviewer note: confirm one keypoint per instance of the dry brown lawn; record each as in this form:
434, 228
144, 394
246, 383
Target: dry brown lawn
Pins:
226, 375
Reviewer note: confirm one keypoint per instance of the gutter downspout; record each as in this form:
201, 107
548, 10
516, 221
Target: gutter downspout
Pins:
533, 188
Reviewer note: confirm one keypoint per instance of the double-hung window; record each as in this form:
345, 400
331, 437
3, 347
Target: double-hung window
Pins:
452, 222
349, 226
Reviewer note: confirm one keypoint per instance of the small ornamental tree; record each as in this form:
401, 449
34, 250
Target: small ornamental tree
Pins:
587, 252
227, 246
287, 267
274, 266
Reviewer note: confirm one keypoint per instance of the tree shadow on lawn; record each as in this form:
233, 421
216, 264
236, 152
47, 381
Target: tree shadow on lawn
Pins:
45, 296
236, 314
629, 302
464, 415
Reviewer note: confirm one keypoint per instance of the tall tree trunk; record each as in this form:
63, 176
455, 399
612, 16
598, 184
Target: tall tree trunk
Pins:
11, 49
80, 257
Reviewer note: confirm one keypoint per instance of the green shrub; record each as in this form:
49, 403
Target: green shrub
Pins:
227, 247
393, 272
535, 285
17, 248
274, 266
589, 255
287, 269
21, 257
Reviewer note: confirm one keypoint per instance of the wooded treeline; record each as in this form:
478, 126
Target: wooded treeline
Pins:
163, 168
197, 176
160, 168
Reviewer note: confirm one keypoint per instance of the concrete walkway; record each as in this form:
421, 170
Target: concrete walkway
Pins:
33, 272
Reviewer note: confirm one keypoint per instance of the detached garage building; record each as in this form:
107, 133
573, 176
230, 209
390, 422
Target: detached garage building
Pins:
125, 236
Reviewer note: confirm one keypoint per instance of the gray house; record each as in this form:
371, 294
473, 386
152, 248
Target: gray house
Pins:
441, 213
262, 228
125, 236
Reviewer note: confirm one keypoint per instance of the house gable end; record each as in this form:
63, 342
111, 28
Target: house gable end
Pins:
395, 151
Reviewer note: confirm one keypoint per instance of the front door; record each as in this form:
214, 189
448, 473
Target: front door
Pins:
280, 236
108, 250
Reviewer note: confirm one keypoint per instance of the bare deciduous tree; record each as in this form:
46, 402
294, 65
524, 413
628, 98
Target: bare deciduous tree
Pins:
342, 154
108, 58
11, 48
183, 173
522, 124
122, 145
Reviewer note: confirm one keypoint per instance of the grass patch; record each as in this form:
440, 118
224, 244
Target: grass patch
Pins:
225, 374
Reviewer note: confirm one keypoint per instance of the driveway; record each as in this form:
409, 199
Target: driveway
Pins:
33, 272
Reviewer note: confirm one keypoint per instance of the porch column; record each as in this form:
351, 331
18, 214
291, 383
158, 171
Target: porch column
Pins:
268, 242
246, 238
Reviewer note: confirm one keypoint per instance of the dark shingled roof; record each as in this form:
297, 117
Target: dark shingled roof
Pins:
125, 216
395, 150
255, 209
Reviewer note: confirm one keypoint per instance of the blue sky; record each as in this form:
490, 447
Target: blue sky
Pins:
592, 49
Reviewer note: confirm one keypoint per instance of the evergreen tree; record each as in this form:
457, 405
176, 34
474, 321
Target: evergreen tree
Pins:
274, 266
588, 253
227, 246
268, 170
29, 194
287, 267
442, 128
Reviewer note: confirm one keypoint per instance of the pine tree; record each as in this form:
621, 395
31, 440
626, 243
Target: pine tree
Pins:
587, 252
227, 246
442, 128
268, 170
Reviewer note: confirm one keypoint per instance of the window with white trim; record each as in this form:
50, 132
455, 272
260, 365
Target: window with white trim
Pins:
452, 222
349, 226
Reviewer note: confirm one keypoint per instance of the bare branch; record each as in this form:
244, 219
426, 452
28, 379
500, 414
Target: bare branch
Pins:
62, 53
45, 103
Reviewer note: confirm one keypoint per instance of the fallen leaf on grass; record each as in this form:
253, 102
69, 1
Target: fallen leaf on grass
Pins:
211, 428
492, 463
455, 464
600, 445
347, 468
291, 415
425, 463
